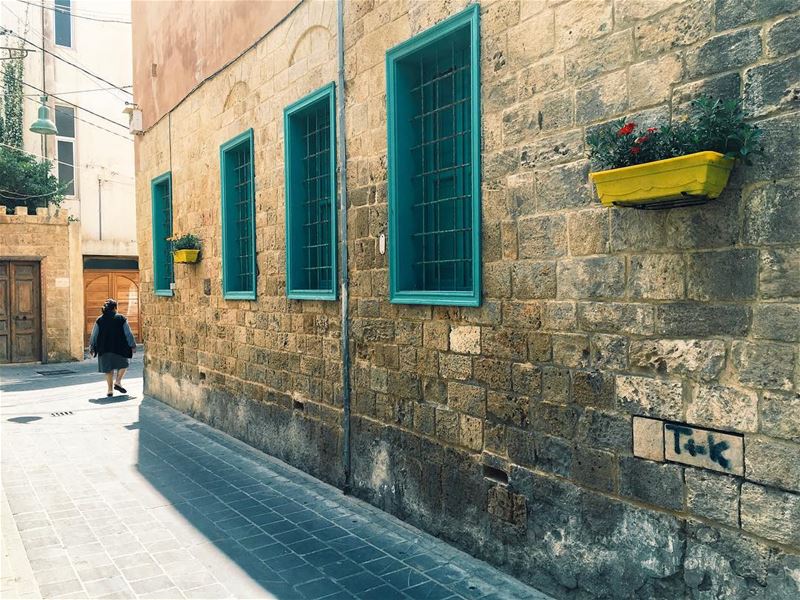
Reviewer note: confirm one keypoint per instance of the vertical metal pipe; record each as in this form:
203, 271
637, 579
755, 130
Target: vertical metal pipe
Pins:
342, 145
100, 207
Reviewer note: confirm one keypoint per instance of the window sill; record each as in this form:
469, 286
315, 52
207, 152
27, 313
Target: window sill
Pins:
437, 298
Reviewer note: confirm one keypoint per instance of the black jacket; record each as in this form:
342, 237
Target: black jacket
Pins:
111, 336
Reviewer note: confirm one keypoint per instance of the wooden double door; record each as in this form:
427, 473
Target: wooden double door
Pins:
101, 284
20, 312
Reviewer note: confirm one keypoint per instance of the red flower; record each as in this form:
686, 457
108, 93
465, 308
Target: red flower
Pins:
626, 129
641, 139
636, 150
652, 129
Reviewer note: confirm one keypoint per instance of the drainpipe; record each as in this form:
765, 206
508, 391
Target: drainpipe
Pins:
100, 207
343, 249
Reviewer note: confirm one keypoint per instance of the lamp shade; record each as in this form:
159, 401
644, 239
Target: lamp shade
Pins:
43, 124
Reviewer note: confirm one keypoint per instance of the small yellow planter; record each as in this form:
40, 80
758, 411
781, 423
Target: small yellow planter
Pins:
186, 256
702, 174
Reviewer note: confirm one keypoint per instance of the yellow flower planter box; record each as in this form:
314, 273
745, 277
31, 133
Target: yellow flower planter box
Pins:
186, 256
702, 174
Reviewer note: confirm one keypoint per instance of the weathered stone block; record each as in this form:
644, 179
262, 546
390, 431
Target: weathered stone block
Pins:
571, 350
626, 12
526, 379
653, 483
771, 513
780, 156
563, 186
604, 430
542, 237
507, 408
467, 398
447, 428
594, 469
465, 339
596, 277
553, 419
784, 37
691, 319
521, 195
773, 214
656, 276
648, 438
553, 455
521, 446
539, 347
508, 506
526, 315
523, 48
603, 98
772, 462
718, 86
555, 385
494, 373
593, 389
638, 230
702, 359
497, 279
470, 432
780, 415
646, 89
731, 13
617, 317
504, 343
680, 26
722, 275
590, 60
723, 407
455, 366
724, 53
764, 364
533, 279
712, 496
577, 22
779, 275
542, 76
650, 397
588, 232
559, 316
771, 87
609, 351
551, 149
777, 322
703, 448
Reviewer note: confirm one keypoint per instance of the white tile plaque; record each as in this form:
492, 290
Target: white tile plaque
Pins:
714, 450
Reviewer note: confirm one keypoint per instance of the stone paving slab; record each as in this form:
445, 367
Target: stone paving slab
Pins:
128, 498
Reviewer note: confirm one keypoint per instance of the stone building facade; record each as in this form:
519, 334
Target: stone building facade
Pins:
52, 242
538, 431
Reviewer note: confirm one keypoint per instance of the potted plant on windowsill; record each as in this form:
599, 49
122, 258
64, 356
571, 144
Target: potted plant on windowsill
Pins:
186, 248
682, 163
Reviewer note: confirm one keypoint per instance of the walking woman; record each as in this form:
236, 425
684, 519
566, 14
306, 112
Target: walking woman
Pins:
113, 344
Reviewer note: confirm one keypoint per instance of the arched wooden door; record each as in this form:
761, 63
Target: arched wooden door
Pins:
123, 286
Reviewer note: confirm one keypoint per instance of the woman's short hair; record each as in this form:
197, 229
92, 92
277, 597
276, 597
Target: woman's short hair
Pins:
110, 307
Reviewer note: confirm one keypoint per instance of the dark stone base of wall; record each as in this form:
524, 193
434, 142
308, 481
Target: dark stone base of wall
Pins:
274, 428
560, 538
565, 540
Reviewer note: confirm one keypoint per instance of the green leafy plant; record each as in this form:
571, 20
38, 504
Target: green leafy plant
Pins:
716, 125
24, 181
187, 241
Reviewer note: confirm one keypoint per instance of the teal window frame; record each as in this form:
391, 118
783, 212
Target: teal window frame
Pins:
301, 207
403, 226
163, 267
231, 240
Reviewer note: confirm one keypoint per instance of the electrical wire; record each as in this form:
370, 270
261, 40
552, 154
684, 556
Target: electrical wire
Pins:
95, 125
75, 14
92, 90
118, 124
27, 196
113, 91
72, 64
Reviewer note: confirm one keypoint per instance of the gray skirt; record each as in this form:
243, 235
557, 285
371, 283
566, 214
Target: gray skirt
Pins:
108, 361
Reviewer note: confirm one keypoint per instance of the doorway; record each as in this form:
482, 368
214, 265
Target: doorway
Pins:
101, 284
20, 312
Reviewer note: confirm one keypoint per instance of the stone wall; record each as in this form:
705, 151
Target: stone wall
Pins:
55, 242
267, 371
509, 429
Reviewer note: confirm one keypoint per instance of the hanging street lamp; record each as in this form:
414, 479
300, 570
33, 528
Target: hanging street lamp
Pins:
44, 125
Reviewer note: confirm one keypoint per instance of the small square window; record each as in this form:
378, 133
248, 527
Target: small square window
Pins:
161, 191
310, 155
238, 218
433, 113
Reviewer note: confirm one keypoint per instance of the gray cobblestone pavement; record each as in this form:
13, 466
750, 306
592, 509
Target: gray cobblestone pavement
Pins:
127, 498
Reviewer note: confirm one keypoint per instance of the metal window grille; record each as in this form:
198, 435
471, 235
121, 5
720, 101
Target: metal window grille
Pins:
240, 199
162, 231
441, 159
316, 239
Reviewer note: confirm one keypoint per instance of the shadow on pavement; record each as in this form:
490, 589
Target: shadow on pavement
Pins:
112, 400
24, 420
